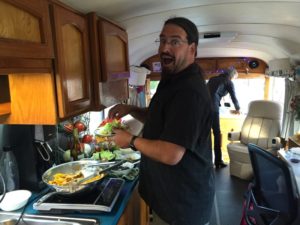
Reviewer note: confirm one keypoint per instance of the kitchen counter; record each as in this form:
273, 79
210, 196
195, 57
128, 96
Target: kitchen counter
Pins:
105, 218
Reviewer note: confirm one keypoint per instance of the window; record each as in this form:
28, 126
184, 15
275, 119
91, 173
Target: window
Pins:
153, 87
246, 90
277, 89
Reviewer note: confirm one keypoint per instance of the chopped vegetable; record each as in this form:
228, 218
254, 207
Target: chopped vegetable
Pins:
107, 125
104, 155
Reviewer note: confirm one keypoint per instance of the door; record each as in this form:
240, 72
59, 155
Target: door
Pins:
72, 64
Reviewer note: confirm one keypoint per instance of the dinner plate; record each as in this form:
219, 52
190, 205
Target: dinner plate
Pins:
127, 154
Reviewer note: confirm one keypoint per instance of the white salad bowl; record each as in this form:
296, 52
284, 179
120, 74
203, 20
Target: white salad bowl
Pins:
15, 200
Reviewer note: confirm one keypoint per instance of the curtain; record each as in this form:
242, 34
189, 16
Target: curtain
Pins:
290, 126
136, 82
137, 96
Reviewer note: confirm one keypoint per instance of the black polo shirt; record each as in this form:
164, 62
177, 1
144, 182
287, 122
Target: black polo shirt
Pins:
219, 87
180, 113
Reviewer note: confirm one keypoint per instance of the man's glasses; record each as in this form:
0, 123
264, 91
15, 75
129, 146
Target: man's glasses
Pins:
174, 42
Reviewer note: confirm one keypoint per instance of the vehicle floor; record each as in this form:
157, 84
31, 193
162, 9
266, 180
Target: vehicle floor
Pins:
228, 203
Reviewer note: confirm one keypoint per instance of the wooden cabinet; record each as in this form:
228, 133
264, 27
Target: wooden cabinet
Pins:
136, 211
5, 95
47, 51
64, 89
113, 42
32, 99
109, 61
25, 36
72, 62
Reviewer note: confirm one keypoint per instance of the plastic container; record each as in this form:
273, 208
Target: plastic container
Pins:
9, 169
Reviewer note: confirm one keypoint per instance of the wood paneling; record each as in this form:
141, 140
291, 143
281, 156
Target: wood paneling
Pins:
25, 29
213, 66
136, 211
5, 108
13, 18
23, 65
73, 69
116, 61
110, 63
5, 95
32, 99
208, 64
113, 43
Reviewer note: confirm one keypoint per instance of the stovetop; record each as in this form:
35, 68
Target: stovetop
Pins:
103, 198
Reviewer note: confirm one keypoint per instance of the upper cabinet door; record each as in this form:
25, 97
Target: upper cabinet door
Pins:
72, 70
25, 29
113, 42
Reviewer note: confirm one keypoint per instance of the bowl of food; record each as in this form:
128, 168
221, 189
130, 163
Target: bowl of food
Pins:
15, 200
105, 129
63, 176
123, 169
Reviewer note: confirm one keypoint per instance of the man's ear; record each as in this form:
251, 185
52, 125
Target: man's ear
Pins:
194, 48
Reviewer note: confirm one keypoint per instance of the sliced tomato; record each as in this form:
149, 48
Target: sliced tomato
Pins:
108, 120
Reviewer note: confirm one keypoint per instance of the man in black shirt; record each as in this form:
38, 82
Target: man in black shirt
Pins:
176, 171
220, 86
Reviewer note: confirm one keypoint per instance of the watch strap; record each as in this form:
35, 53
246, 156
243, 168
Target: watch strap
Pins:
131, 143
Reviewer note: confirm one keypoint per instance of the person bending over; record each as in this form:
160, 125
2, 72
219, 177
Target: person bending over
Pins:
220, 86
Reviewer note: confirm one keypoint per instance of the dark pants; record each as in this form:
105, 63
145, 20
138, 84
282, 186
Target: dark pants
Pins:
217, 136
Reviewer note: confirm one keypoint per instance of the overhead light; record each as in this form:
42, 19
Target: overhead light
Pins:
215, 37
212, 35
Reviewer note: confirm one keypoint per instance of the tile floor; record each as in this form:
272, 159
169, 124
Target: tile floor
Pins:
227, 209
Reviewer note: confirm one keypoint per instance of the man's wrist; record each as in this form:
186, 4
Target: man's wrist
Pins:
131, 143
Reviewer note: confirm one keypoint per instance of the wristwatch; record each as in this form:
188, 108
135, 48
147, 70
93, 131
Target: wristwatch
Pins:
131, 143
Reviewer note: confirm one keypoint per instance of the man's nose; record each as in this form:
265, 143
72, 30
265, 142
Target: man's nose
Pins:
165, 47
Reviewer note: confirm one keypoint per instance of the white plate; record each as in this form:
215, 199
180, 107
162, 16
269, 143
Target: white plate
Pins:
127, 154
15, 200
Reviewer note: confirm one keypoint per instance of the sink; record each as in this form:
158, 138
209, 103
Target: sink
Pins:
7, 218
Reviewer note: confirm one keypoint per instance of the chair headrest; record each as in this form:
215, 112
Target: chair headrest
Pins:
265, 109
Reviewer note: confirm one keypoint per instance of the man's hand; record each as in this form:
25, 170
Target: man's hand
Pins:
120, 110
236, 112
121, 138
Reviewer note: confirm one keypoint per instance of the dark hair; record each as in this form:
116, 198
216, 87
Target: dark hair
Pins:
188, 26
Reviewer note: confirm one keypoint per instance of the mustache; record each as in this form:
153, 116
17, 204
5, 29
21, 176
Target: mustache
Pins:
166, 55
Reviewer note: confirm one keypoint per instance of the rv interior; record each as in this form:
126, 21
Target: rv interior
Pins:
261, 39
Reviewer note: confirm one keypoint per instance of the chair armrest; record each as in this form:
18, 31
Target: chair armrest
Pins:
276, 143
234, 136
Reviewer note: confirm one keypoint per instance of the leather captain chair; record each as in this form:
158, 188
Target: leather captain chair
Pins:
260, 127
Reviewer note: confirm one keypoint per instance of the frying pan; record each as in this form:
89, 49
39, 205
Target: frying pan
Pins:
88, 168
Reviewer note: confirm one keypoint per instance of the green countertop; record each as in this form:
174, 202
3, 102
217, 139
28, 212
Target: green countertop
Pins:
104, 218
